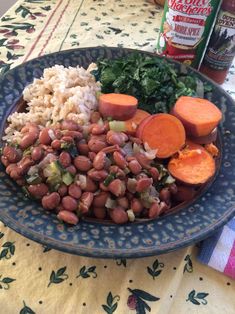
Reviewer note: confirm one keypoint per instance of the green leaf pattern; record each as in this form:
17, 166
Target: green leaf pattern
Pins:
58, 276
111, 303
197, 298
86, 272
8, 250
156, 269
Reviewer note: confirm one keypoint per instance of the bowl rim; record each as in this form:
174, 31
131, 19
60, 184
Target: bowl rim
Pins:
116, 253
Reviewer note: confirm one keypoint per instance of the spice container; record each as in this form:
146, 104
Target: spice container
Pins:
221, 49
186, 28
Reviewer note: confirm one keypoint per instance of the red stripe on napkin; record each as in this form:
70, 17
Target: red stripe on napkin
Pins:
42, 31
230, 266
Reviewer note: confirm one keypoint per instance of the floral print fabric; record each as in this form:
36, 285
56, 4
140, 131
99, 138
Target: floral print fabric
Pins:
36, 279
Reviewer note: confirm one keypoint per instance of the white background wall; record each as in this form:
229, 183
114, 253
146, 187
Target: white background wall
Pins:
5, 5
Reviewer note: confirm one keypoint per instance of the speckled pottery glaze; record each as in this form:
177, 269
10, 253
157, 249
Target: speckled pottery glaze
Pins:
188, 225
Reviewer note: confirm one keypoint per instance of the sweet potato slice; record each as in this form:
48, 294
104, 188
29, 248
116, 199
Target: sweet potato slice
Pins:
193, 165
199, 116
117, 106
132, 124
162, 132
206, 139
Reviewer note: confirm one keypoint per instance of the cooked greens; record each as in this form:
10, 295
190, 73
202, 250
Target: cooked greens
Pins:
157, 84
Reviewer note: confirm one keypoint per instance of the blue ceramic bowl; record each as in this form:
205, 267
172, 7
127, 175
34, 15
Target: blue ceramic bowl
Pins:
190, 224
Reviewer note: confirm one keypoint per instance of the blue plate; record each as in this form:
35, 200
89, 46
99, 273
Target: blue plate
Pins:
190, 224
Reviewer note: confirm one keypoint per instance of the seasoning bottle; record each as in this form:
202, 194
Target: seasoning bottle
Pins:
185, 29
221, 49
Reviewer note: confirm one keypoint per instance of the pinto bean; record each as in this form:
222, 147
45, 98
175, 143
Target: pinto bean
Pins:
136, 206
58, 134
143, 160
12, 154
56, 144
91, 186
129, 195
85, 202
118, 215
135, 166
67, 139
63, 190
91, 155
65, 159
5, 161
51, 201
70, 125
135, 140
73, 134
96, 145
100, 199
154, 210
119, 160
68, 217
143, 184
117, 187
28, 140
99, 212
173, 188
10, 167
97, 175
37, 153
154, 173
95, 117
69, 203
115, 138
97, 129
130, 158
111, 149
14, 171
71, 169
24, 164
99, 161
164, 207
131, 185
82, 163
123, 202
165, 195
119, 172
83, 148
103, 187
75, 191
44, 137
38, 190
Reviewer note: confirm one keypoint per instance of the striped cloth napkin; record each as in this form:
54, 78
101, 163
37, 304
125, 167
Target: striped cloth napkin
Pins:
218, 251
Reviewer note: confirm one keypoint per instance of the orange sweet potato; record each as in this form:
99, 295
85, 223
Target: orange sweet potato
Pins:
162, 132
117, 106
193, 165
199, 116
132, 124
206, 139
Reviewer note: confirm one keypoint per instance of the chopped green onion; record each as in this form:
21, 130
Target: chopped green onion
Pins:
27, 151
109, 179
67, 178
34, 179
117, 126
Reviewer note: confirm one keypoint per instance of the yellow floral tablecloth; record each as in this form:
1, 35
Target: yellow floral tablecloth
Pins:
36, 279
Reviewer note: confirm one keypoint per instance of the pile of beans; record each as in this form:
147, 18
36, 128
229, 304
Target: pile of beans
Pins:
103, 173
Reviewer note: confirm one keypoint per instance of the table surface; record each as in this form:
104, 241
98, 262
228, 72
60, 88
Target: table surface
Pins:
36, 279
